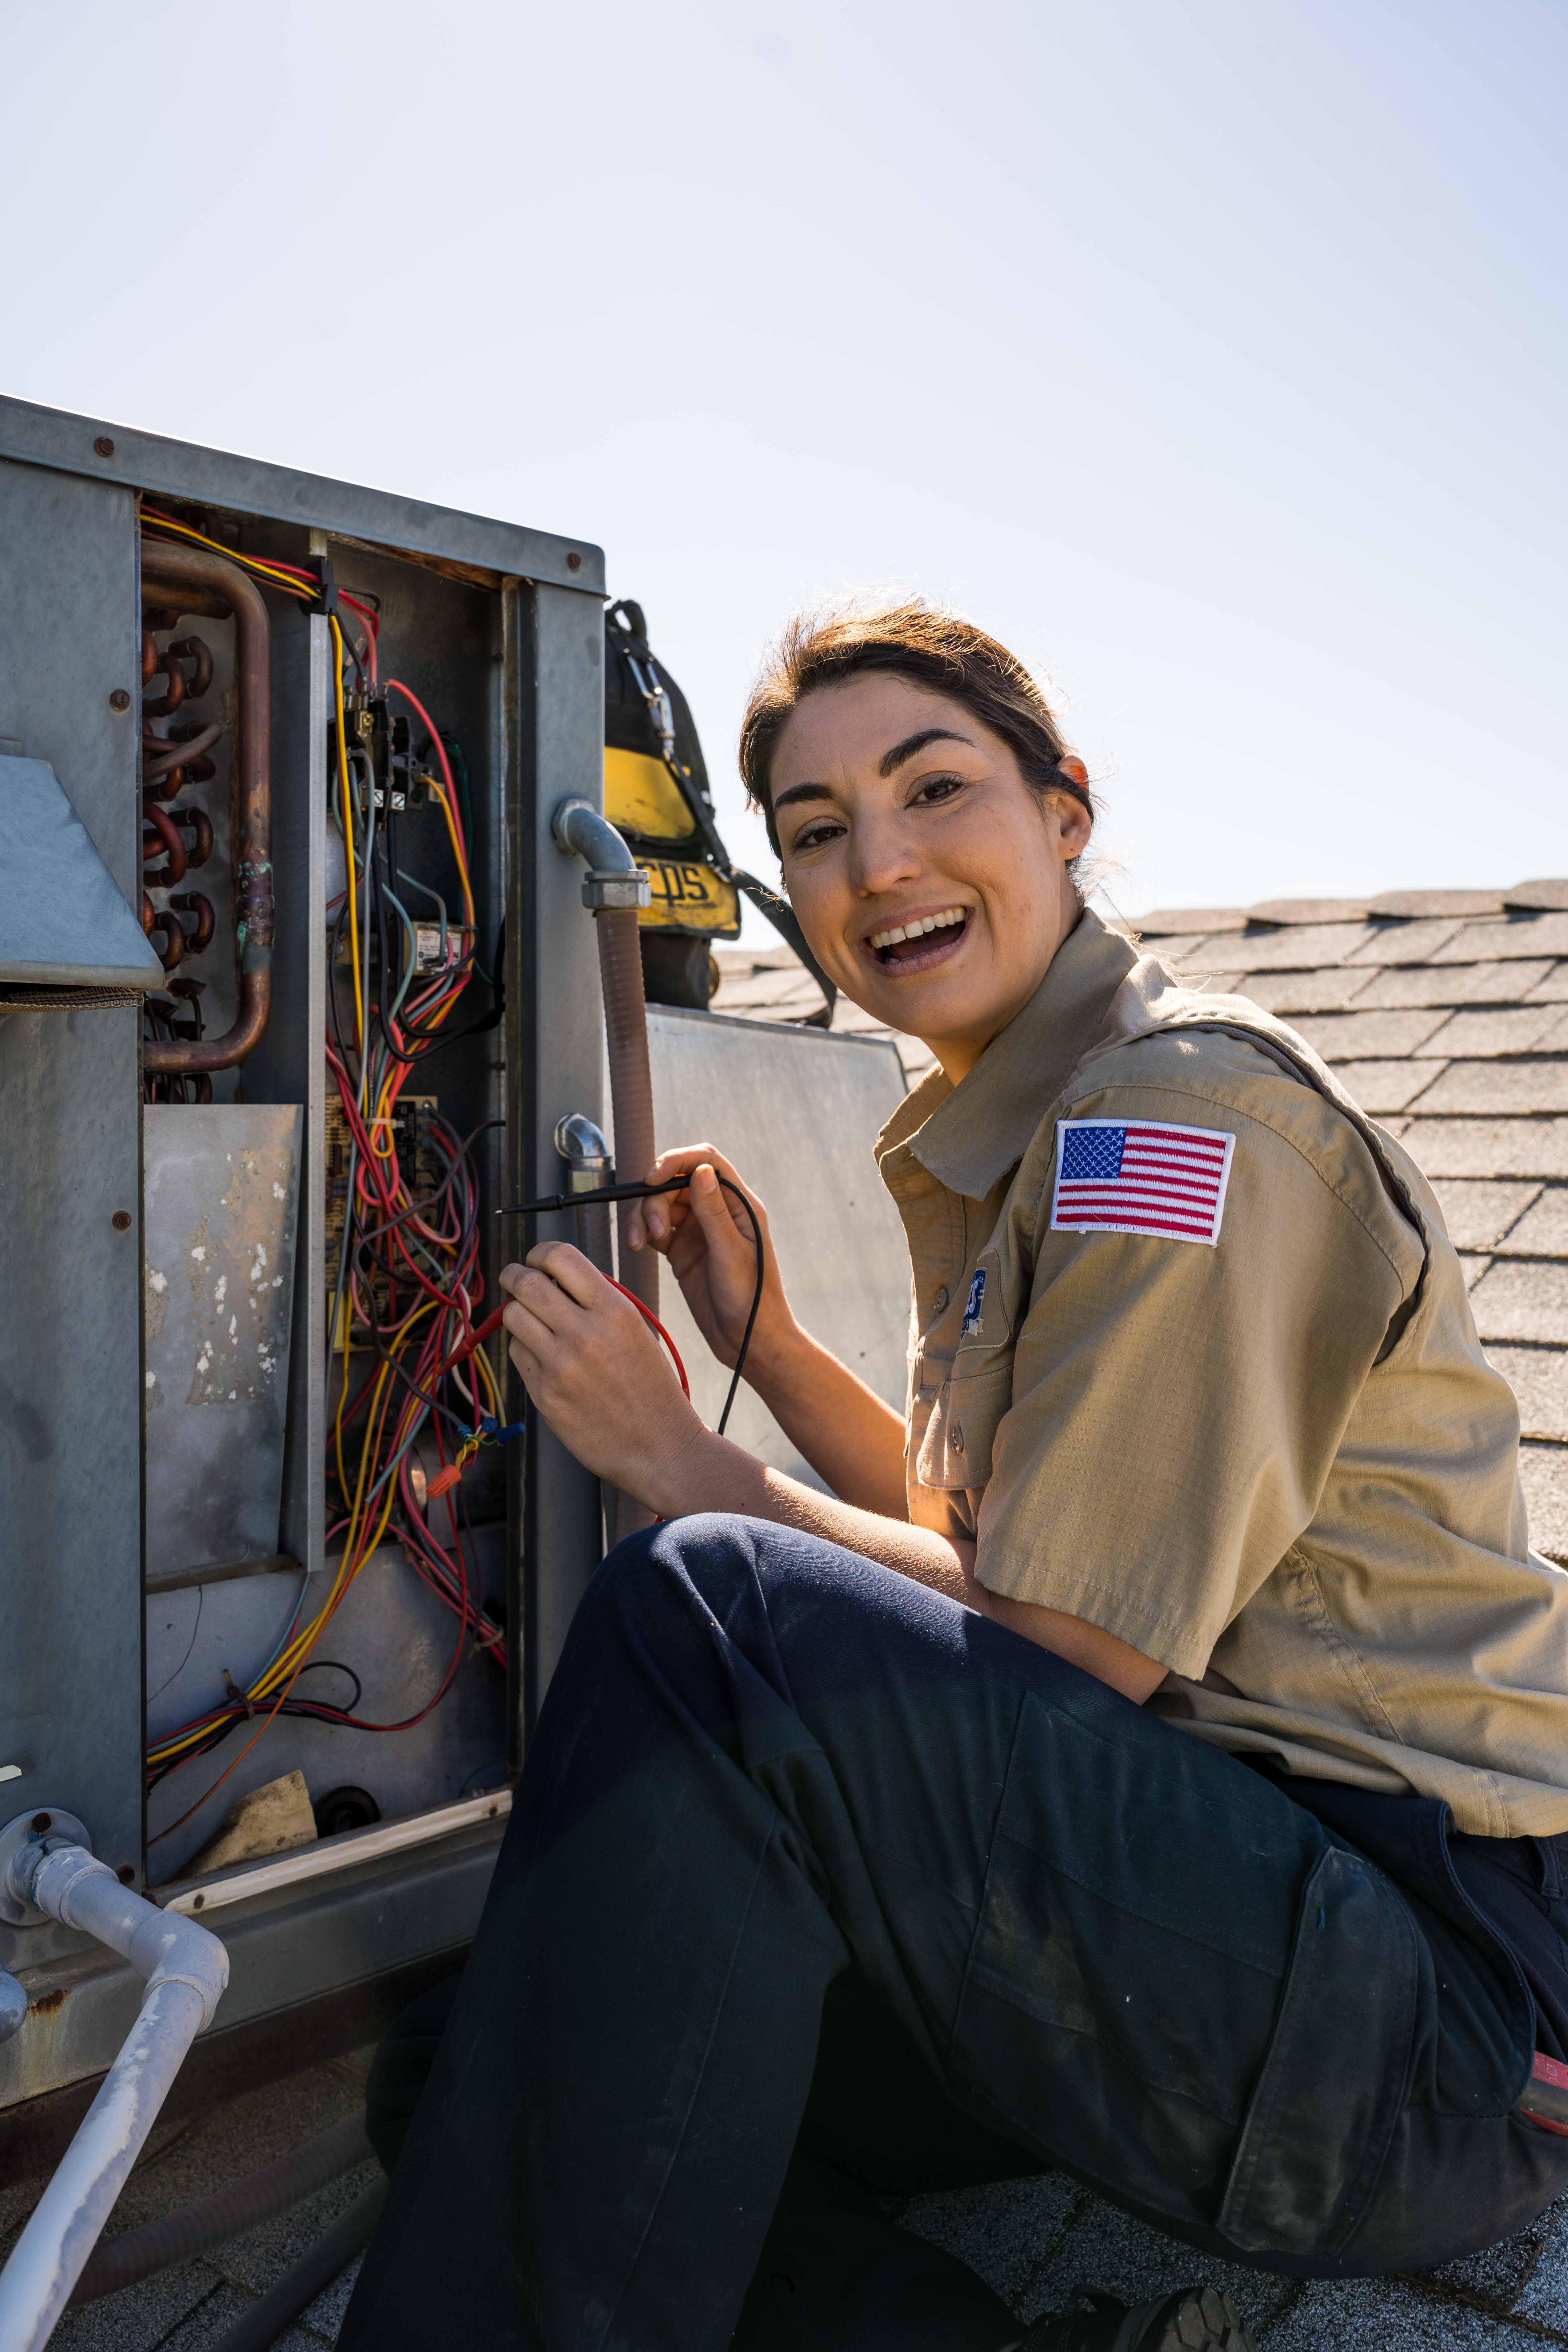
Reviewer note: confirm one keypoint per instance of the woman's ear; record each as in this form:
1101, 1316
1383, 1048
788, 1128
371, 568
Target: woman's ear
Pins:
1071, 765
1075, 822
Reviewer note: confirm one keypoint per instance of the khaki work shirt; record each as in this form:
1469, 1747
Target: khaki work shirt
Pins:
1278, 1465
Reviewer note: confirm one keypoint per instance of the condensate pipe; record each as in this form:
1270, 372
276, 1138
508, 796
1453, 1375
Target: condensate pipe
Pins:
613, 888
207, 583
186, 1970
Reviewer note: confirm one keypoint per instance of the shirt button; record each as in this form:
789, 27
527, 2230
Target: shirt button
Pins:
939, 1304
955, 1438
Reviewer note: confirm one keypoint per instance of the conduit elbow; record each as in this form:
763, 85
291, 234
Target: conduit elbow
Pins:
614, 881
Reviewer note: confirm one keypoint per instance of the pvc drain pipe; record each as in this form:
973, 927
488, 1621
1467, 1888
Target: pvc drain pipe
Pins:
185, 1968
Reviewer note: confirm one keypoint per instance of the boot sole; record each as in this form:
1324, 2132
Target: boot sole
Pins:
1204, 2321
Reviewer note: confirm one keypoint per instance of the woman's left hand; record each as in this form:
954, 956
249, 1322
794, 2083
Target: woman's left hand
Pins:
597, 1372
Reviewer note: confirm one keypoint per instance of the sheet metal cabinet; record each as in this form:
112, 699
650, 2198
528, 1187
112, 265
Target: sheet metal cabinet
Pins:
500, 628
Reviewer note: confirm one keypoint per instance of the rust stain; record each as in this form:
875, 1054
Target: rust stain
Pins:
48, 2003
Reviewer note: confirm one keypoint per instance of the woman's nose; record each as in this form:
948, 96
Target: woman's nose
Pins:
883, 856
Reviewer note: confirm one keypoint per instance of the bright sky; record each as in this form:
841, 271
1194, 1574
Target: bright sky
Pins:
1211, 355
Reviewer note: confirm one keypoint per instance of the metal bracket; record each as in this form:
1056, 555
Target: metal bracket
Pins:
33, 1828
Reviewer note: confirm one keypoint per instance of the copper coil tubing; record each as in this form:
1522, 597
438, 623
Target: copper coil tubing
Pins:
189, 579
167, 842
201, 843
191, 902
169, 755
168, 660
173, 950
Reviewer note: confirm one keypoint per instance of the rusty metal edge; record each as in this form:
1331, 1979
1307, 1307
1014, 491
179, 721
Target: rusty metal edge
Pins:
149, 461
221, 2065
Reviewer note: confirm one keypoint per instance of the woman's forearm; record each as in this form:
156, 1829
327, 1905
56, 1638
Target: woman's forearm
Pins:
712, 1474
851, 1439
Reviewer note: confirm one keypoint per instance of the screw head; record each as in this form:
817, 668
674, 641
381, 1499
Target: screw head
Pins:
120, 699
573, 562
103, 446
40, 1824
122, 1221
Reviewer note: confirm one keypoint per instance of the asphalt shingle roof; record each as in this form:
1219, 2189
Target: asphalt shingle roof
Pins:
1446, 1013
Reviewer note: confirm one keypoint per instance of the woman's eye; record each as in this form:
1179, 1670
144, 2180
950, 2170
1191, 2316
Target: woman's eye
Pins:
812, 836
936, 789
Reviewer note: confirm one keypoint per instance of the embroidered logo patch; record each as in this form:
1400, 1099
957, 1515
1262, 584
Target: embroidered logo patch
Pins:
1129, 1176
973, 1307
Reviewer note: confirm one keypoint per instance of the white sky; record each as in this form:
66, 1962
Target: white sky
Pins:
1211, 355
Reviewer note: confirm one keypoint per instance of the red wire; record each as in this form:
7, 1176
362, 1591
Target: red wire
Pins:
492, 1323
649, 1316
396, 685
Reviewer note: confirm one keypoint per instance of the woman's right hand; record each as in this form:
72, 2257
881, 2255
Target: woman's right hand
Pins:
705, 1234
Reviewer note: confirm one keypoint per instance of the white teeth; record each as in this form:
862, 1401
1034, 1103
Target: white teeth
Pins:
916, 929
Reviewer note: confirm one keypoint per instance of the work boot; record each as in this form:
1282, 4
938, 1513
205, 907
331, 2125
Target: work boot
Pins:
1194, 2319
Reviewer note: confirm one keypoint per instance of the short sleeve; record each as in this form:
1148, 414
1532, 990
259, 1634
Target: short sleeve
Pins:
1176, 1407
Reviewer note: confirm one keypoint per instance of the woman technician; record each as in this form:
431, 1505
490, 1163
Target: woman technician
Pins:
1151, 1760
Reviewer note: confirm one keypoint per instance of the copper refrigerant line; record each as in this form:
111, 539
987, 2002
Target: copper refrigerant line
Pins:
177, 839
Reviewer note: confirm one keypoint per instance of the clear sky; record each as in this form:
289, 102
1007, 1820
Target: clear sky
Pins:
1210, 354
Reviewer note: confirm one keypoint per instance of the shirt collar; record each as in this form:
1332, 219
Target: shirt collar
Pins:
968, 1136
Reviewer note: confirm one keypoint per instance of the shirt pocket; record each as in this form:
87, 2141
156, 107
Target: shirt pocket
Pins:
955, 1450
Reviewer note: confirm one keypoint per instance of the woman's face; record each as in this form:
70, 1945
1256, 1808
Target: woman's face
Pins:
931, 881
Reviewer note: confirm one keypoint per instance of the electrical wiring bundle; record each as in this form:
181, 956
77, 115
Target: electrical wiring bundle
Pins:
407, 1353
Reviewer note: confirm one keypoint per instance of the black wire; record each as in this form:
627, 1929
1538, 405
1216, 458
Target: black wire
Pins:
314, 1665
607, 1193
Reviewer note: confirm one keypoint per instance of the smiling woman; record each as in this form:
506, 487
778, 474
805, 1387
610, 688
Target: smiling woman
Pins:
928, 817
1148, 1756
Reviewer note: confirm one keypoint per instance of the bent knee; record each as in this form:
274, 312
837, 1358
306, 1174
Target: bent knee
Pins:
715, 1554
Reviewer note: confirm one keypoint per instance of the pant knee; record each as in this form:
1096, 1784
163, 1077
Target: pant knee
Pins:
712, 1553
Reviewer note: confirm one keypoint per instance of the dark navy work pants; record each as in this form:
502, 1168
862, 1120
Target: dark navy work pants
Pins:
819, 1884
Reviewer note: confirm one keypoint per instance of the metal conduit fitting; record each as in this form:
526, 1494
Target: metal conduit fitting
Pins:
13, 2005
589, 1167
49, 1873
613, 877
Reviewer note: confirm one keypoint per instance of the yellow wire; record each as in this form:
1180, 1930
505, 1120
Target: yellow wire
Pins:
348, 836
305, 589
462, 861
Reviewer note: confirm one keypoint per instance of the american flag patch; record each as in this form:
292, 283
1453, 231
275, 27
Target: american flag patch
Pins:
1129, 1176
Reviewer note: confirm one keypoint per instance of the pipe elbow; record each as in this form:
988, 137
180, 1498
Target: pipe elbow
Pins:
614, 881
163, 1947
189, 1955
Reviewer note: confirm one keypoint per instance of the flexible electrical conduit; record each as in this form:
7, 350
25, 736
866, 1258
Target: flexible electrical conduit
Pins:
213, 2221
185, 1968
580, 830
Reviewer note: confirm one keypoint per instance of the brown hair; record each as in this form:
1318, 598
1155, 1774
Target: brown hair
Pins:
916, 640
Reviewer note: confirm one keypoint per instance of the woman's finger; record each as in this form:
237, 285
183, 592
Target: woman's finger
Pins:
551, 1307
726, 1231
528, 1336
664, 1213
570, 1271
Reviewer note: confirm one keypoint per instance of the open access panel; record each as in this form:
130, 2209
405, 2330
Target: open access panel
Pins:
251, 1526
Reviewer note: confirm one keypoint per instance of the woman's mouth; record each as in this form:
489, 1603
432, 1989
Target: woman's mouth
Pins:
920, 941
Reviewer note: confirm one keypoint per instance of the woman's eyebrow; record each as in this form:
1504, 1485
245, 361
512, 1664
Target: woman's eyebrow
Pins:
885, 765
801, 792
913, 743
